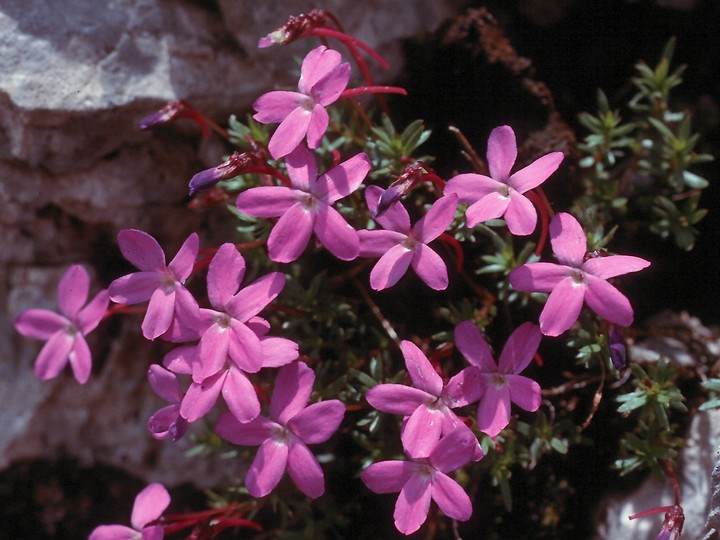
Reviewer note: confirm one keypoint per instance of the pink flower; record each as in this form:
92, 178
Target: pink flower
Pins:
158, 282
501, 193
65, 332
575, 280
283, 438
302, 114
428, 405
400, 245
306, 207
149, 505
420, 480
166, 423
500, 383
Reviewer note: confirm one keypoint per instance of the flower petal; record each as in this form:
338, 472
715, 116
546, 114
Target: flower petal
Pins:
212, 352
390, 267
316, 423
240, 396
413, 504
451, 497
615, 265
420, 369
164, 383
113, 532
159, 313
520, 348
538, 277
149, 505
274, 106
430, 267
336, 234
39, 323
182, 264
436, 220
302, 168
388, 476
200, 397
90, 316
454, 450
317, 64
180, 359
568, 240
135, 288
491, 206
251, 433
524, 392
290, 133
464, 388
319, 121
421, 432
277, 351
608, 302
536, 173
142, 250
166, 423
395, 216
266, 201
501, 152
291, 234
328, 89
562, 308
343, 179
305, 470
520, 215
225, 275
267, 468
471, 343
293, 386
376, 242
73, 290
80, 359
53, 356
494, 410
471, 187
253, 298
397, 398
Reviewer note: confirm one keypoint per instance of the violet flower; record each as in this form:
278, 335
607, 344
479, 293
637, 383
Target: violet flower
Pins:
422, 480
65, 332
306, 206
428, 404
501, 193
158, 282
302, 114
283, 438
400, 246
500, 383
149, 506
166, 423
576, 280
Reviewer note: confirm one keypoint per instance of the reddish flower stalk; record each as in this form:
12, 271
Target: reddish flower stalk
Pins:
544, 210
674, 516
361, 90
209, 523
236, 165
181, 109
203, 263
411, 176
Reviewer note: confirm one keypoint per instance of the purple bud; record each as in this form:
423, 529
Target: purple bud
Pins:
618, 352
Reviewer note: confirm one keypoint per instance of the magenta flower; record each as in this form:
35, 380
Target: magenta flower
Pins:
575, 280
149, 506
400, 245
420, 480
65, 332
306, 206
500, 384
302, 114
428, 405
158, 282
166, 423
283, 438
501, 193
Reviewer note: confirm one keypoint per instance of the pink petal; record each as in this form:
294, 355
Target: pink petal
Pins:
388, 476
164, 383
436, 220
245, 349
142, 250
471, 187
316, 423
413, 504
317, 65
291, 234
267, 468
607, 301
305, 471
430, 267
536, 173
302, 168
524, 392
80, 359
420, 369
39, 323
538, 277
568, 240
494, 410
451, 497
253, 298
328, 89
421, 432
73, 290
491, 206
394, 218
520, 348
615, 265
182, 264
156, 532
293, 386
471, 343
113, 532
149, 505
159, 314
520, 215
319, 121
240, 396
376, 242
266, 201
185, 325
201, 397
336, 234
225, 275
562, 308
501, 152
290, 133
212, 352
454, 450
277, 351
53, 356
390, 268
464, 388
343, 179
90, 316
397, 398
180, 359
135, 288
251, 433
166, 423
274, 106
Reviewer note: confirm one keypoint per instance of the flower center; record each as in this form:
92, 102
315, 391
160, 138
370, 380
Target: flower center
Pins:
504, 191
409, 243
307, 103
168, 283
578, 278
71, 329
223, 320
498, 380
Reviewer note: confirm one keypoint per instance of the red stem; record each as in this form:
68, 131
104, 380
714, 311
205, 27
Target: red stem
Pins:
360, 90
544, 221
350, 42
